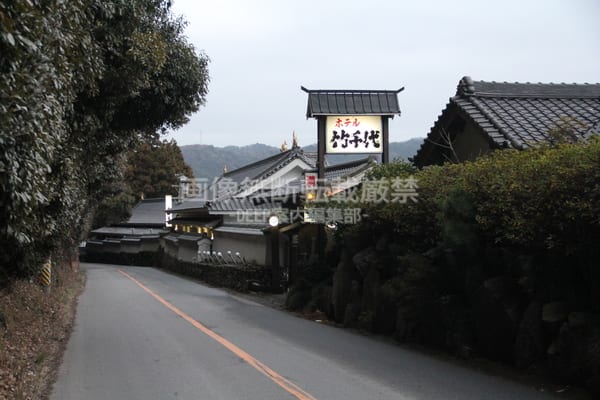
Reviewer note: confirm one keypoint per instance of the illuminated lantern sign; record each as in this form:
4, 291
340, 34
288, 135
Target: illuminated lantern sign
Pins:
348, 134
310, 180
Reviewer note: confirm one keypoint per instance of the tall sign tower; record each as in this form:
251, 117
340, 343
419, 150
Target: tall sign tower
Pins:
352, 122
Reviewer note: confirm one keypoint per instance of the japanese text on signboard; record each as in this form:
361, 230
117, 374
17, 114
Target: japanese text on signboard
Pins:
353, 134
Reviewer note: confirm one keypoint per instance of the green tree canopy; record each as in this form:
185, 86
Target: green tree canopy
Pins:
82, 82
153, 168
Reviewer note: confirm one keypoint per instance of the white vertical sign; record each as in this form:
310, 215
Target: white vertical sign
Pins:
168, 206
354, 134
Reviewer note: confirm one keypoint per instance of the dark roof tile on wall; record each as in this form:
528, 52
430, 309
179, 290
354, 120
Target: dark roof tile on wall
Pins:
270, 165
352, 102
350, 168
234, 204
148, 212
522, 115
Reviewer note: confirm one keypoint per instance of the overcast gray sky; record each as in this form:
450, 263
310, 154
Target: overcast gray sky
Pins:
262, 51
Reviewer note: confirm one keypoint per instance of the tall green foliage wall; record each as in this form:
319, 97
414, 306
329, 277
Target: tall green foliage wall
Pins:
82, 82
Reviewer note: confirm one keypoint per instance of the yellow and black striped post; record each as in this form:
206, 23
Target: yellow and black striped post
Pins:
46, 275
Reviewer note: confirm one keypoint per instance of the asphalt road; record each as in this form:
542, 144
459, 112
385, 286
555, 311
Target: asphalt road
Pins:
141, 333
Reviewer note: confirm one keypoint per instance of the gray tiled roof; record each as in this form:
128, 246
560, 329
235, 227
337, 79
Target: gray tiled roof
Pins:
194, 203
242, 230
148, 212
266, 200
233, 204
522, 115
125, 231
349, 169
351, 102
268, 166
256, 171
519, 115
469, 87
334, 172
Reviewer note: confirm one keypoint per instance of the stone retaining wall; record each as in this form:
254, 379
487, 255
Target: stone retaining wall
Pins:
237, 277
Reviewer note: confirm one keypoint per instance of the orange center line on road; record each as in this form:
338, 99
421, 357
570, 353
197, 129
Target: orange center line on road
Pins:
287, 385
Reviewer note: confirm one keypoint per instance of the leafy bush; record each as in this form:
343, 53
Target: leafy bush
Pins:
509, 232
541, 198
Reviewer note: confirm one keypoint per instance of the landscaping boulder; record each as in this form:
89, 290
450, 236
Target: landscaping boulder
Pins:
382, 243
370, 290
321, 299
554, 313
432, 330
403, 328
342, 287
529, 345
365, 259
574, 356
351, 315
594, 289
298, 296
384, 321
457, 325
496, 318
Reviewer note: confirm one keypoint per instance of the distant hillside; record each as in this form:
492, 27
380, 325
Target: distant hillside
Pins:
207, 161
402, 150
405, 149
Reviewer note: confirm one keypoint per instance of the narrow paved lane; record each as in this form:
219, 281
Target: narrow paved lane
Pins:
141, 333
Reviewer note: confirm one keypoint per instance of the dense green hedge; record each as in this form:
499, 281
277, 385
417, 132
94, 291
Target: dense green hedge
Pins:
542, 198
498, 257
